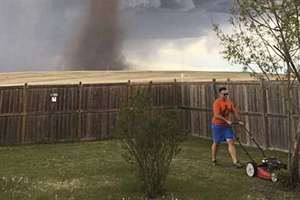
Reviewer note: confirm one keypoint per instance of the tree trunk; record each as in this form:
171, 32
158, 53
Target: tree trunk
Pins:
288, 104
294, 167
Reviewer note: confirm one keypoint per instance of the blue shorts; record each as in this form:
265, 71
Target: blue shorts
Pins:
221, 133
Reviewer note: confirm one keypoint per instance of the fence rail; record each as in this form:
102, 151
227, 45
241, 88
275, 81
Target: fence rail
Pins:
53, 113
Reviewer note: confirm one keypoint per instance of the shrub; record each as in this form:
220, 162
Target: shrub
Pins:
151, 138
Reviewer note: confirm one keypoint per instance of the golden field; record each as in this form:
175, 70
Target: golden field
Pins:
74, 77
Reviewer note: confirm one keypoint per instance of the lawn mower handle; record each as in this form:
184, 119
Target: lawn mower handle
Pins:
237, 123
242, 124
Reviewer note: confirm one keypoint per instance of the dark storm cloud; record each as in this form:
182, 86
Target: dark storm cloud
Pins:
34, 33
173, 23
214, 5
173, 37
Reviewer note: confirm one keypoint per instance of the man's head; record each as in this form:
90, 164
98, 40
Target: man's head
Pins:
223, 92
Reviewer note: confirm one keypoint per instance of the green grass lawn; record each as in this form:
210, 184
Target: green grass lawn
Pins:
96, 170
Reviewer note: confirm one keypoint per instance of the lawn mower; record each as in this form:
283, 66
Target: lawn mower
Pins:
269, 165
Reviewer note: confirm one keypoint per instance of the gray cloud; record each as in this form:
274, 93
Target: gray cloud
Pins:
34, 33
214, 5
173, 23
170, 36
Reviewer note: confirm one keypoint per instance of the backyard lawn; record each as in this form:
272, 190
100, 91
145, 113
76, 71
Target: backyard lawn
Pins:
96, 170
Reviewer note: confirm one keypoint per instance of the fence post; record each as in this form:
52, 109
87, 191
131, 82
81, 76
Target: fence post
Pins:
128, 92
214, 88
176, 103
247, 121
264, 113
108, 132
24, 112
183, 95
151, 93
79, 110
290, 119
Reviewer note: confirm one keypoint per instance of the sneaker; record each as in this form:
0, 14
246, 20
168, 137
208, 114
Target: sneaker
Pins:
238, 165
214, 162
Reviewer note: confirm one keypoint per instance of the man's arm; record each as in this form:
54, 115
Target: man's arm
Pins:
217, 114
236, 113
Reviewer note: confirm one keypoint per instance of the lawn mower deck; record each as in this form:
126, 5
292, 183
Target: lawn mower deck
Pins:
266, 170
268, 167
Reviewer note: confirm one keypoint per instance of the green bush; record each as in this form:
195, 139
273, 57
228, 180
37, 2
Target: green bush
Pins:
151, 138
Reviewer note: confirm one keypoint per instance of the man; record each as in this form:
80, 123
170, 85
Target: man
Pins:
221, 126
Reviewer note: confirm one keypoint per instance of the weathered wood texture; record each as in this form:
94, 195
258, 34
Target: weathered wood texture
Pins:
89, 111
28, 114
262, 107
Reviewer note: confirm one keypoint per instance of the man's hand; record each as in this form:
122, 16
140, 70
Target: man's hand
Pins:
241, 123
228, 122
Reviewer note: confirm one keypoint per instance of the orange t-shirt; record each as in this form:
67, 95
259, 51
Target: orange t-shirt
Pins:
223, 108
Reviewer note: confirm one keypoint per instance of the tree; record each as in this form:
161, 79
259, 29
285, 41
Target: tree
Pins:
265, 40
151, 139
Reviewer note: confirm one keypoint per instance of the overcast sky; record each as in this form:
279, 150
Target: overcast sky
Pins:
156, 34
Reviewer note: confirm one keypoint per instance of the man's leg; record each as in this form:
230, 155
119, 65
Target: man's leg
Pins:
217, 137
214, 149
229, 135
232, 150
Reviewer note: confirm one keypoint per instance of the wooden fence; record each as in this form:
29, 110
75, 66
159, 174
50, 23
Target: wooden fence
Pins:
262, 106
53, 113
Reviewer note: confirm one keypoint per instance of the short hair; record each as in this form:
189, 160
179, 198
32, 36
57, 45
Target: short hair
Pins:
222, 88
